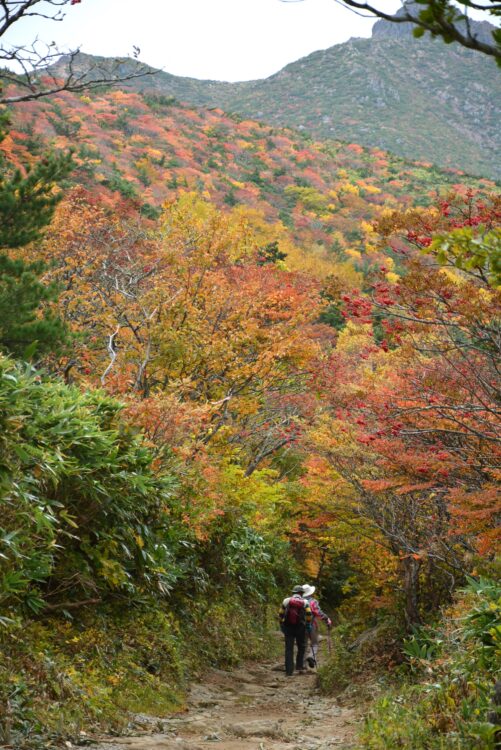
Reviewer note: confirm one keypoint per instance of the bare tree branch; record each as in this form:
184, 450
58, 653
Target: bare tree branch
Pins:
112, 352
40, 69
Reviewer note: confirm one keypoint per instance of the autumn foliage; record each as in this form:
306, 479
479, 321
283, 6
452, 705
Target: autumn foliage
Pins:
232, 358
298, 340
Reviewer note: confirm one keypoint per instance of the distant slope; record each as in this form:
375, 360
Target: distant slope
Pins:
420, 99
146, 148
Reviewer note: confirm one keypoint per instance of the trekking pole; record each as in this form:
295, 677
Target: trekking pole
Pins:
314, 652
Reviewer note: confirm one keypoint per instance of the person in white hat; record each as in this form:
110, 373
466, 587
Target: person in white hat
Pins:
318, 615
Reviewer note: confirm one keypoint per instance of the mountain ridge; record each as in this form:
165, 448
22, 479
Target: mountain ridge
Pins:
418, 98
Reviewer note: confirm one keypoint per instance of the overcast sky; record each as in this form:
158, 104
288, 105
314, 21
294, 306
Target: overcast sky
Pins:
230, 40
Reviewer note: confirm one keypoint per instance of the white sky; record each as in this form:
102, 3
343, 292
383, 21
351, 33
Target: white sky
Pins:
231, 40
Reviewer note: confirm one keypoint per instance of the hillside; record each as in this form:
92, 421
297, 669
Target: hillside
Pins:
238, 362
392, 93
417, 98
147, 147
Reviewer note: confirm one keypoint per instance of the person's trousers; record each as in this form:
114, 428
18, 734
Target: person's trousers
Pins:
312, 640
294, 636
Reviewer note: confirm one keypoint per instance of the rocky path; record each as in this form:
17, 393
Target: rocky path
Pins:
253, 708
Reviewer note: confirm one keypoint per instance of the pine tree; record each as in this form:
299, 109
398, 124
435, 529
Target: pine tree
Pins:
27, 203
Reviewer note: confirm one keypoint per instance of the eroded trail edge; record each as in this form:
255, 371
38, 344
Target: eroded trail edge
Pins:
255, 707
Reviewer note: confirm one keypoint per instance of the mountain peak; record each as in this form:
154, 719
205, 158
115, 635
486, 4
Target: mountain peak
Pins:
388, 30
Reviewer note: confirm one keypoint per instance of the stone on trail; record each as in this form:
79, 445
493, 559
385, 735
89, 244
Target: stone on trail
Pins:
250, 688
256, 728
157, 742
198, 721
248, 676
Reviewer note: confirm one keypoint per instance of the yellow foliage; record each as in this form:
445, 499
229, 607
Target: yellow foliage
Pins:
371, 189
354, 337
320, 264
485, 294
367, 228
355, 254
311, 199
455, 276
348, 187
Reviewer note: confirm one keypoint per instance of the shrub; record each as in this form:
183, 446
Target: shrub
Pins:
84, 513
58, 677
458, 663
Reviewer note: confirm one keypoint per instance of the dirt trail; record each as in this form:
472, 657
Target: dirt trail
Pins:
252, 708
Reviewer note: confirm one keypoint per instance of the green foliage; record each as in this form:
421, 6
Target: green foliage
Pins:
151, 212
337, 579
237, 557
342, 666
158, 101
23, 331
27, 201
471, 252
332, 316
311, 199
225, 628
483, 623
84, 513
356, 655
459, 662
121, 185
271, 253
422, 646
230, 198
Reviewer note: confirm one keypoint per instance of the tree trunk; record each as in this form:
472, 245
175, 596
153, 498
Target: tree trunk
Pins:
410, 576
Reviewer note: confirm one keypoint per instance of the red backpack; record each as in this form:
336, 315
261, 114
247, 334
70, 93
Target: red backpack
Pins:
295, 613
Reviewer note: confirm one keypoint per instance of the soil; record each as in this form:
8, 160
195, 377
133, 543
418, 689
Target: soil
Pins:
255, 707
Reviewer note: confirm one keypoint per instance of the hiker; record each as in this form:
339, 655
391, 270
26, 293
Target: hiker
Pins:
317, 615
295, 620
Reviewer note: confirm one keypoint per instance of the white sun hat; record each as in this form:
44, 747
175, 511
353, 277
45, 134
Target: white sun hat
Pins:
308, 590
